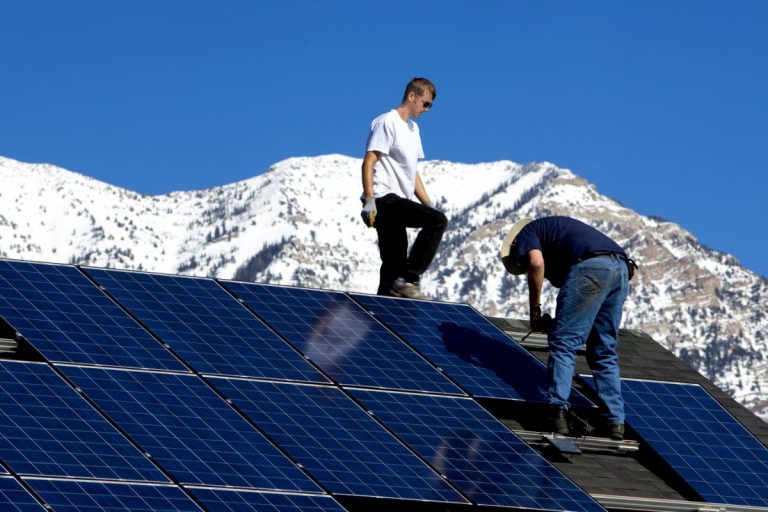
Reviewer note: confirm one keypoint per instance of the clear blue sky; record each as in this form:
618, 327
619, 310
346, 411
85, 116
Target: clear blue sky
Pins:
662, 104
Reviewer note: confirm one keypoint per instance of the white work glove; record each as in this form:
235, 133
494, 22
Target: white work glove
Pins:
369, 211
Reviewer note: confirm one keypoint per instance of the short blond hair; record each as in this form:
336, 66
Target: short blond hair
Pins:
419, 86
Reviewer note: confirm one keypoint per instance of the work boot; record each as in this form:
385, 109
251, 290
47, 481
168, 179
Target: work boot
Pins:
615, 431
558, 420
402, 288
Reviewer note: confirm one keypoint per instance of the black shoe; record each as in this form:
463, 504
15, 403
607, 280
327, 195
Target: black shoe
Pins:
558, 419
402, 288
615, 431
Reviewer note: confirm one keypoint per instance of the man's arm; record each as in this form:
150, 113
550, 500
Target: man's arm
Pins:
535, 283
369, 203
371, 157
421, 192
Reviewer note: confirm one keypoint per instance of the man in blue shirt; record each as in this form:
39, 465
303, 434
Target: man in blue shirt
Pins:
592, 272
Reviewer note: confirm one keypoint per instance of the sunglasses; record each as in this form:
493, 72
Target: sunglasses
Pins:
426, 104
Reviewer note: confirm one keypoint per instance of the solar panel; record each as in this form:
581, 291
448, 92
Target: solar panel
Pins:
476, 452
206, 326
699, 439
47, 429
189, 429
84, 496
336, 441
68, 319
471, 350
14, 498
341, 338
226, 500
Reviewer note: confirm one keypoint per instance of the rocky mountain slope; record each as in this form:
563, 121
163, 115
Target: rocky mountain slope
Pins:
298, 224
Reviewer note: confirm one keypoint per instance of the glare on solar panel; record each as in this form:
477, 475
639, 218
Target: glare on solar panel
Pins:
190, 430
471, 350
336, 441
206, 326
68, 319
47, 428
341, 338
476, 452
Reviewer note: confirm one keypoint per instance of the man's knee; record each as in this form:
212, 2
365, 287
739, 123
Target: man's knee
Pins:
439, 221
443, 221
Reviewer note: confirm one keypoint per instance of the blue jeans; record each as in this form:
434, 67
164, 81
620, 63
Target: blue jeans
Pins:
589, 307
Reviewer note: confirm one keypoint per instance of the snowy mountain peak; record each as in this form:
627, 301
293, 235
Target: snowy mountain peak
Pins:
298, 224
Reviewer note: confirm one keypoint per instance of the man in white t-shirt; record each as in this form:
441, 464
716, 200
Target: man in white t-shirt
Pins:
391, 186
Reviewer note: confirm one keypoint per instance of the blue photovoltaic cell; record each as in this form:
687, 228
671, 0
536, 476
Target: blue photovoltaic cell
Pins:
68, 319
341, 338
47, 429
471, 350
476, 452
224, 500
337, 441
699, 439
14, 498
80, 496
206, 326
190, 430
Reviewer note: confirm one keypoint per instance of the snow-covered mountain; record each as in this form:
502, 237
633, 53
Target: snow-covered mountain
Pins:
298, 224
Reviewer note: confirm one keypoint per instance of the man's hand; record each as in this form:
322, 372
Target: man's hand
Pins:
369, 211
539, 322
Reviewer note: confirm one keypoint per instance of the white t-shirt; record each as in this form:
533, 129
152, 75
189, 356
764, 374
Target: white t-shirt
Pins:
399, 145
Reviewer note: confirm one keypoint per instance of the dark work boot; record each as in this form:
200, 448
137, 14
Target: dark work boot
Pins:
615, 431
558, 420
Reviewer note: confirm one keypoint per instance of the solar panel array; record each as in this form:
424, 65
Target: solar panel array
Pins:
171, 393
228, 500
68, 319
200, 320
476, 451
699, 439
337, 441
189, 429
79, 496
467, 346
14, 498
342, 339
48, 429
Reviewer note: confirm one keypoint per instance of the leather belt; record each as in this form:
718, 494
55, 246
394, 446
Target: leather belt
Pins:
607, 255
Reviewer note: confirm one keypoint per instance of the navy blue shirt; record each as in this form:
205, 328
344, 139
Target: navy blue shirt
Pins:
564, 242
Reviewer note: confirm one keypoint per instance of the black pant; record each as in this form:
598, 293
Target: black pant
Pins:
393, 215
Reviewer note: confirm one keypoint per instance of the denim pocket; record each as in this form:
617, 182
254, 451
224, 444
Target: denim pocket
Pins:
592, 280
